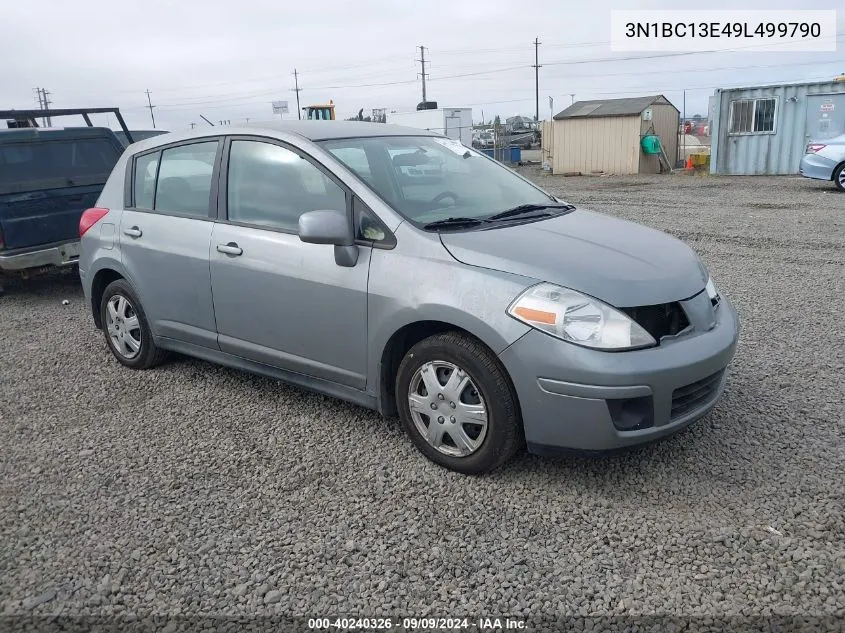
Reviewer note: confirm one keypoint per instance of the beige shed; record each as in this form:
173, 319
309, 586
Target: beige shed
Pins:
604, 136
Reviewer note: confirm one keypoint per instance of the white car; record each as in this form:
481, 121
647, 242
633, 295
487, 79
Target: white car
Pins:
825, 160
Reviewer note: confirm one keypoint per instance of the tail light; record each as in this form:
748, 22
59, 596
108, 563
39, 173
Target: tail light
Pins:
812, 148
89, 218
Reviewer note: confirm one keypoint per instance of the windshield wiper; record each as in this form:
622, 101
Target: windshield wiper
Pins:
525, 209
449, 223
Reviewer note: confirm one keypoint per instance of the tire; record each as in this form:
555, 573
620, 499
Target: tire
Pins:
839, 177
459, 442
127, 327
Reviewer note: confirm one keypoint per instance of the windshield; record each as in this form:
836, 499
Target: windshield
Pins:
427, 179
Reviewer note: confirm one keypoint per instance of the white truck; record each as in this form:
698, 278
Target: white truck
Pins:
456, 123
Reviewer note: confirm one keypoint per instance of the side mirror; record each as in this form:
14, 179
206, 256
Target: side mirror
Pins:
330, 227
325, 227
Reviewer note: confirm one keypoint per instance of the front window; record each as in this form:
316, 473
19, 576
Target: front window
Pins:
427, 179
270, 186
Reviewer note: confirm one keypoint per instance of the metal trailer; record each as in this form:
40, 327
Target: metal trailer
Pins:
764, 130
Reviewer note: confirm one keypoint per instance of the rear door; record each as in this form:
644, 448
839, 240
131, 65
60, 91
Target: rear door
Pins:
46, 182
165, 233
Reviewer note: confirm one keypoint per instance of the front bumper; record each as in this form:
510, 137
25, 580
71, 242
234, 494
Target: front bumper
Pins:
815, 166
63, 254
575, 398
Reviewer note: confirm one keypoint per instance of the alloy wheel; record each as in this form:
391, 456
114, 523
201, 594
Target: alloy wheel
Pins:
123, 326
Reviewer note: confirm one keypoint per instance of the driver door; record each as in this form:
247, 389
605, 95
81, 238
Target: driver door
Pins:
278, 300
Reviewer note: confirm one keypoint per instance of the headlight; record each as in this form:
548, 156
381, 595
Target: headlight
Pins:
577, 318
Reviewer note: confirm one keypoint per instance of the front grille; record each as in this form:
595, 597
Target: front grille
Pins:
666, 319
694, 395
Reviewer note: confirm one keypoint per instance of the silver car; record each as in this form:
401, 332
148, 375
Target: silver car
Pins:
825, 160
482, 310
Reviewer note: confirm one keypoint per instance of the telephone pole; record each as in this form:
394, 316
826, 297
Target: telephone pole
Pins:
151, 106
44, 104
47, 104
421, 60
40, 105
297, 90
537, 78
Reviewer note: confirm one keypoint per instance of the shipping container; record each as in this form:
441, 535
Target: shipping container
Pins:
764, 130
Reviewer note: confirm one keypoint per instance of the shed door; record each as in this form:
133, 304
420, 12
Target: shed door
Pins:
825, 116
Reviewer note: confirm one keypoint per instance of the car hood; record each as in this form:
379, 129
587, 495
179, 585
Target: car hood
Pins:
620, 262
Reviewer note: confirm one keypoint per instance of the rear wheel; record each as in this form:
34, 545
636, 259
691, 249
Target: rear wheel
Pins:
839, 177
457, 404
126, 328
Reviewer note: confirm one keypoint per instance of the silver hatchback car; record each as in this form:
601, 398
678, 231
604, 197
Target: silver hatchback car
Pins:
404, 272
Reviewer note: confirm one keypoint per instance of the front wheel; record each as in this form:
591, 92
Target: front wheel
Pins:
839, 177
457, 404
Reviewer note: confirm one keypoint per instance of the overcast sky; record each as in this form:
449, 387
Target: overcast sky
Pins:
228, 59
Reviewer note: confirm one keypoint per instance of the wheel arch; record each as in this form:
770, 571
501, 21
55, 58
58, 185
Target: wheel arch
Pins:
100, 281
402, 340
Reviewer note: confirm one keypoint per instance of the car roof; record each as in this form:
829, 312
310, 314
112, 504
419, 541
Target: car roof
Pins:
311, 130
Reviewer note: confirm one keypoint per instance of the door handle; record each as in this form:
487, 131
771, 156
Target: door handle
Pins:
230, 249
133, 232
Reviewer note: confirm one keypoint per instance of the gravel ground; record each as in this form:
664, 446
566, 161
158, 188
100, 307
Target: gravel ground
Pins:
194, 489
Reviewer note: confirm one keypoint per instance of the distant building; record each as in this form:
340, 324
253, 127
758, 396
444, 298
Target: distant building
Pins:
765, 129
605, 136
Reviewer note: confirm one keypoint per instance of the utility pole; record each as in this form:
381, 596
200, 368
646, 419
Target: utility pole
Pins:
47, 104
40, 105
297, 90
151, 106
423, 75
537, 78
44, 104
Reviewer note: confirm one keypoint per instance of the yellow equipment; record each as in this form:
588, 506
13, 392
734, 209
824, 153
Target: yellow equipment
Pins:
320, 112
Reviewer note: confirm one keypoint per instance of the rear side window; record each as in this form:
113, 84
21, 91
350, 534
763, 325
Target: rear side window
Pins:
176, 180
145, 180
59, 163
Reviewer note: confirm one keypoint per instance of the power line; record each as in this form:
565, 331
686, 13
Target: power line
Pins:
247, 99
